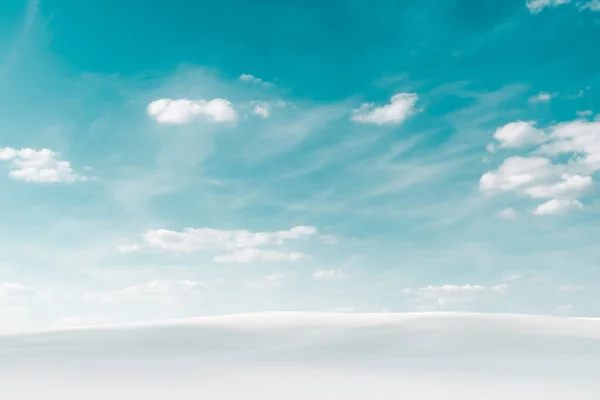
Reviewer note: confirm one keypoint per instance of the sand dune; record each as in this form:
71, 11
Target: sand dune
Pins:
283, 355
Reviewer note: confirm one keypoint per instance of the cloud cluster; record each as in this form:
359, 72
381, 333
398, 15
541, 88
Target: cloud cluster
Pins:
184, 111
40, 166
254, 80
435, 297
241, 246
536, 6
401, 106
539, 175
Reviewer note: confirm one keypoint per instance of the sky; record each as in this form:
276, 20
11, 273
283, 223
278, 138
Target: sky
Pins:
161, 161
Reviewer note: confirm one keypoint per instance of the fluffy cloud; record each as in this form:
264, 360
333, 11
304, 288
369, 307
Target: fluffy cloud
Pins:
536, 176
41, 166
183, 111
558, 207
195, 239
401, 106
254, 80
535, 6
156, 290
444, 295
245, 256
517, 135
542, 97
508, 213
242, 246
329, 274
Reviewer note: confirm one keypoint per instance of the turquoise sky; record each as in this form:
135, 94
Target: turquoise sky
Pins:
172, 159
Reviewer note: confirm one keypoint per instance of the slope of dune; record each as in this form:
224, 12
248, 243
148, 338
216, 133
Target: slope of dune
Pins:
295, 355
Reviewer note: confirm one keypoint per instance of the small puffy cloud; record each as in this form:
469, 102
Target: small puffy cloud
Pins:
329, 274
584, 113
517, 135
254, 80
40, 166
196, 239
401, 106
129, 248
444, 295
250, 255
262, 110
542, 97
184, 111
508, 213
535, 6
558, 207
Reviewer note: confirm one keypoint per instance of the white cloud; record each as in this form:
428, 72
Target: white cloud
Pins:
580, 137
542, 97
12, 290
183, 111
262, 110
557, 207
329, 274
157, 290
584, 113
592, 5
401, 106
508, 213
254, 80
517, 135
272, 281
195, 239
444, 295
536, 176
535, 6
41, 166
570, 186
129, 248
250, 255
518, 173
513, 277
82, 321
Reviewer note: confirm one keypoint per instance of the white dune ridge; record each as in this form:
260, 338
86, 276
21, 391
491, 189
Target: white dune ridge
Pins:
320, 355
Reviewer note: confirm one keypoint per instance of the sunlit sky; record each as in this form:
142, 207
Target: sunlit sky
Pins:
172, 159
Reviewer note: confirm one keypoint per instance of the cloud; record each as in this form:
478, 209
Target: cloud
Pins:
563, 310
13, 290
508, 213
535, 176
82, 321
156, 290
263, 108
517, 135
329, 274
535, 6
129, 248
184, 111
250, 255
254, 80
195, 239
401, 106
40, 166
542, 97
445, 295
519, 173
557, 207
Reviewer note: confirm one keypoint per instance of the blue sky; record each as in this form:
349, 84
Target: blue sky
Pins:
165, 161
